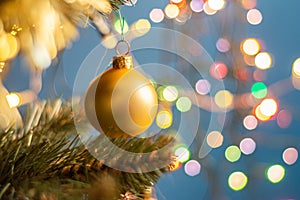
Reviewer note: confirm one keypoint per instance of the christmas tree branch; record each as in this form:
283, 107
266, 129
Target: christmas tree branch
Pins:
47, 159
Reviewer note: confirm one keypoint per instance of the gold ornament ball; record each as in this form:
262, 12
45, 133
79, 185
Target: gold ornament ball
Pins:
121, 102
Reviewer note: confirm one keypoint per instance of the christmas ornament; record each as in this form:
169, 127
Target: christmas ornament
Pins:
121, 102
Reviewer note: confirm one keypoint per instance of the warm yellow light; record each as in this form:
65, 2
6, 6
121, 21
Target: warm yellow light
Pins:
164, 119
172, 11
223, 99
208, 10
13, 45
259, 115
40, 56
142, 26
250, 46
268, 107
4, 47
176, 164
296, 68
2, 65
263, 60
176, 1
13, 100
214, 139
237, 181
216, 4
249, 4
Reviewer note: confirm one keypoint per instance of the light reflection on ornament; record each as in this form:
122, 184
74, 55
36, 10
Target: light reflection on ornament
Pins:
182, 154
218, 70
284, 119
208, 10
203, 87
192, 168
223, 99
247, 146
196, 5
237, 181
268, 107
290, 155
170, 93
223, 45
157, 15
296, 68
263, 60
183, 104
254, 16
216, 4
250, 46
13, 99
164, 119
232, 153
275, 173
250, 122
172, 11
214, 139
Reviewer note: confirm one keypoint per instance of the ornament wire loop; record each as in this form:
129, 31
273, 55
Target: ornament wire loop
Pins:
117, 47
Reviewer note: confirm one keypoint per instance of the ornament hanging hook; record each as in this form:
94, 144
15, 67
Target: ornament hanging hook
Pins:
122, 23
127, 45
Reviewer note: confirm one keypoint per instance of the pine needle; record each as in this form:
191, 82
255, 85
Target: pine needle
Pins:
46, 159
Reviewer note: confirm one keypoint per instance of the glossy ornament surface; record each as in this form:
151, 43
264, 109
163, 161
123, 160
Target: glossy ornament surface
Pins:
121, 102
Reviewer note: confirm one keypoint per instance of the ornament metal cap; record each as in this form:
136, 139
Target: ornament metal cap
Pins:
122, 61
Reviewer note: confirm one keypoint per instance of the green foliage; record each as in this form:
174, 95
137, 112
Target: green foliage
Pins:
46, 160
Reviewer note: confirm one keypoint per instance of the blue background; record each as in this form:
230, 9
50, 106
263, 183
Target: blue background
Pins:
280, 32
